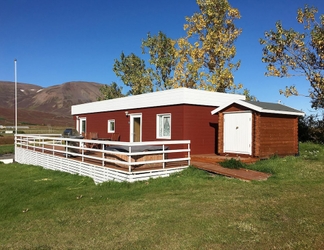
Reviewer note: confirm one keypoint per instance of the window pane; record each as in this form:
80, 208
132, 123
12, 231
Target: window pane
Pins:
166, 126
112, 126
160, 126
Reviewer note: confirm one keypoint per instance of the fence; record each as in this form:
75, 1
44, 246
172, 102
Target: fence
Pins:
103, 160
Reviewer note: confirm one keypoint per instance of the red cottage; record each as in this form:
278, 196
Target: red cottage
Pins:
176, 114
195, 115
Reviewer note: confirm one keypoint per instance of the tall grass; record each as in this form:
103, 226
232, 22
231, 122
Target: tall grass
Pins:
43, 209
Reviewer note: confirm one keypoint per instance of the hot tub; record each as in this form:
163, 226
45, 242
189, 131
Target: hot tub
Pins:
113, 154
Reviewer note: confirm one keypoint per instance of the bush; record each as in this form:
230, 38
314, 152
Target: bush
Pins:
311, 129
233, 164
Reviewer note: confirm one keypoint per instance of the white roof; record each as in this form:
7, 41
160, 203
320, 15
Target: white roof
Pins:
156, 99
262, 107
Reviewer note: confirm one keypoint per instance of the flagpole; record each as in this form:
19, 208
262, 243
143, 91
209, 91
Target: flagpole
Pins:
16, 96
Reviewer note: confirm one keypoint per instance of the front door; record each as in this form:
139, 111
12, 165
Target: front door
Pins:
135, 128
238, 133
82, 126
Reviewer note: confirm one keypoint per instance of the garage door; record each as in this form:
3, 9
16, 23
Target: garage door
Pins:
238, 133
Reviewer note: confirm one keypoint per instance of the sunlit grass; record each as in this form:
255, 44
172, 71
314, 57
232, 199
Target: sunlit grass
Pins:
43, 209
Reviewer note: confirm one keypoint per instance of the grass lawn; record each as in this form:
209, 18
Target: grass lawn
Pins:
43, 209
7, 149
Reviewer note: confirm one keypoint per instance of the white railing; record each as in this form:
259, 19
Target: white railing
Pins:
130, 159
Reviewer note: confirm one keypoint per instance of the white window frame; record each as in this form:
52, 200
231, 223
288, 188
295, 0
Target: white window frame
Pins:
80, 122
111, 121
158, 117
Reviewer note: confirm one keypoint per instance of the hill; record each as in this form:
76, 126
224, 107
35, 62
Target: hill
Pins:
44, 106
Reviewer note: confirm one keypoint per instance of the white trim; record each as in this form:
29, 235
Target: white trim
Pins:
158, 127
81, 119
157, 99
131, 127
243, 111
108, 124
236, 140
256, 108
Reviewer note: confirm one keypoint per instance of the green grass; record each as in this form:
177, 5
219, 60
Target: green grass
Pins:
43, 209
7, 149
233, 164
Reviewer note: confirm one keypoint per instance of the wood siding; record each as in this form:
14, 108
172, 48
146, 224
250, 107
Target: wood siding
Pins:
188, 122
277, 135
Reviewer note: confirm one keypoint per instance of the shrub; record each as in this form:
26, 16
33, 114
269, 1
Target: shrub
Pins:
311, 129
232, 163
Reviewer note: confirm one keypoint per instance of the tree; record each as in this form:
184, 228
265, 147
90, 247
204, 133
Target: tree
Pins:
162, 56
110, 91
249, 96
205, 55
289, 53
202, 59
311, 128
132, 71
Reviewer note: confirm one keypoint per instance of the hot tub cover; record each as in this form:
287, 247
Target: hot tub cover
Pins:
135, 148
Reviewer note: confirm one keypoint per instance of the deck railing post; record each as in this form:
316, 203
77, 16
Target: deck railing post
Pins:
163, 156
66, 149
189, 154
129, 159
81, 145
53, 147
103, 154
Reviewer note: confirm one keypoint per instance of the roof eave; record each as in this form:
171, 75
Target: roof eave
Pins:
256, 108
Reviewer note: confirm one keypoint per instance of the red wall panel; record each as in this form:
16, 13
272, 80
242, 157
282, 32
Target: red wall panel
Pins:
188, 122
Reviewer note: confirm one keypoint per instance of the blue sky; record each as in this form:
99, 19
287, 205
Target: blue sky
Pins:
57, 41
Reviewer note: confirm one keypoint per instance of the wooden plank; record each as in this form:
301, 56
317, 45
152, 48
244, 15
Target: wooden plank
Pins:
242, 174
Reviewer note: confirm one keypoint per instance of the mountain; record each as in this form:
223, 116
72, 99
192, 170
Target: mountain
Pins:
44, 106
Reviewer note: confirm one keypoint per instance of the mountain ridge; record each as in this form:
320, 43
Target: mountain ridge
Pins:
45, 106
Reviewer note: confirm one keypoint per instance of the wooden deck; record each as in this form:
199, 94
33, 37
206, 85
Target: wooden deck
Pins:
211, 164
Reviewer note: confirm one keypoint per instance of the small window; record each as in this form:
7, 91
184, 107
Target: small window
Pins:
111, 126
163, 126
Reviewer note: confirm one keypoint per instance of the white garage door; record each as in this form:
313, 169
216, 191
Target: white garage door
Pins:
238, 133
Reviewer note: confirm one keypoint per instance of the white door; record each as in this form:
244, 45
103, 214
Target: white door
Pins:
135, 128
238, 133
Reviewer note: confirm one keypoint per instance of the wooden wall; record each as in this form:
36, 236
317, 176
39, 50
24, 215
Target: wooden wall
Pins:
188, 122
276, 135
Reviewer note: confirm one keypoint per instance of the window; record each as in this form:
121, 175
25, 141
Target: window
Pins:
163, 126
111, 126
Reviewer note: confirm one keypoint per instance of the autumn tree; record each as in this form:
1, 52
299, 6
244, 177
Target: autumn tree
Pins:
202, 59
288, 52
110, 91
162, 57
205, 55
134, 74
